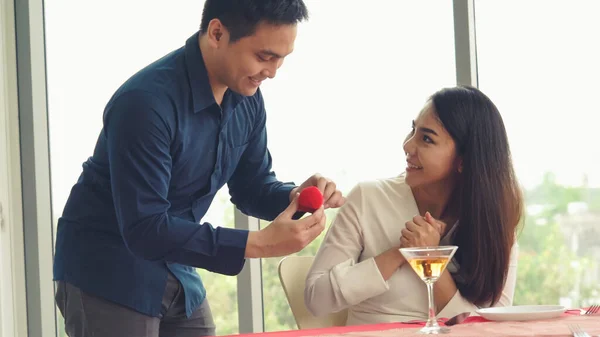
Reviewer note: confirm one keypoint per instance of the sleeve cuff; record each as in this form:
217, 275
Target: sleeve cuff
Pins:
455, 306
231, 245
359, 282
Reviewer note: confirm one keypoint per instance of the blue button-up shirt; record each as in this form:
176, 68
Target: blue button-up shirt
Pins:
165, 149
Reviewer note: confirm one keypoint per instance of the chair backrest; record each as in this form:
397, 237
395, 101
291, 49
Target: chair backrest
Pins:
292, 274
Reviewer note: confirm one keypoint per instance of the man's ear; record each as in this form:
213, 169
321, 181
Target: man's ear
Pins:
216, 33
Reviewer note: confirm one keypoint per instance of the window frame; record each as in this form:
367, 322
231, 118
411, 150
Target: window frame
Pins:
32, 246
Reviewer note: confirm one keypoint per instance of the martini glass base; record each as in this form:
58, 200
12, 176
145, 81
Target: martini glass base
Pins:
433, 330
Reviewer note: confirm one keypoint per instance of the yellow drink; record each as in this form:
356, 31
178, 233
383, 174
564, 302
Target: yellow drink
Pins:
429, 268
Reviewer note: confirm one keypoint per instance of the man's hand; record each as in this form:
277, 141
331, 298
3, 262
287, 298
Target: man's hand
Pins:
332, 197
284, 235
422, 232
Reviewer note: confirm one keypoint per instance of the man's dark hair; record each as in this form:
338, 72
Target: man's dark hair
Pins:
242, 16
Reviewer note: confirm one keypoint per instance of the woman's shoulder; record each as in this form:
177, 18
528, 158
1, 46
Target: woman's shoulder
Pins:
385, 185
391, 188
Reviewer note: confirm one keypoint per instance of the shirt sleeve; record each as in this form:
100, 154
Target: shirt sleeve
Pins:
459, 304
139, 130
254, 187
337, 280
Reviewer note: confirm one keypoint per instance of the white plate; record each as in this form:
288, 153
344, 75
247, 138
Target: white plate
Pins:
521, 312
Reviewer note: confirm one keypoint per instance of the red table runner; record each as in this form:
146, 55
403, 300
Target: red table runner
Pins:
472, 326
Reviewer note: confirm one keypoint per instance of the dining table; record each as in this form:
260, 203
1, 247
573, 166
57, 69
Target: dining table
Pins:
471, 326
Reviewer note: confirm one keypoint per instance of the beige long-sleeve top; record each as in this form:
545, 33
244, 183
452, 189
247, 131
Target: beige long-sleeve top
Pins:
344, 274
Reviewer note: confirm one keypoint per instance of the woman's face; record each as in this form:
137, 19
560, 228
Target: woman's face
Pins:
430, 151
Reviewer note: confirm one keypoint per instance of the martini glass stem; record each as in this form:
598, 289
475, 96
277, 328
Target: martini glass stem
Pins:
432, 320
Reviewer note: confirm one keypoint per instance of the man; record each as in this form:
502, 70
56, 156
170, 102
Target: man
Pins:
173, 135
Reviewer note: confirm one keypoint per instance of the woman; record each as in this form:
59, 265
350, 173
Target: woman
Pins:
459, 188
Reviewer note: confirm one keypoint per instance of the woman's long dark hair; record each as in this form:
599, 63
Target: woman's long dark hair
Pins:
488, 197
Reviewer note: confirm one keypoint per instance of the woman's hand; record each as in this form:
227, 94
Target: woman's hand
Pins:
422, 232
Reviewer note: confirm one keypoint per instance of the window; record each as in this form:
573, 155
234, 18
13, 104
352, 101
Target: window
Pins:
542, 71
343, 102
342, 105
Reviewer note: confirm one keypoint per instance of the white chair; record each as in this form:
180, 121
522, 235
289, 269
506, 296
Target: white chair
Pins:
292, 274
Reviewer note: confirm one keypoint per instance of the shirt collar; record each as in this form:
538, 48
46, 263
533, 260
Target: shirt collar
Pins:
202, 94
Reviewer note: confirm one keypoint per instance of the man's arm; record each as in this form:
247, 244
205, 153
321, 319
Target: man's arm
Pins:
253, 187
138, 136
